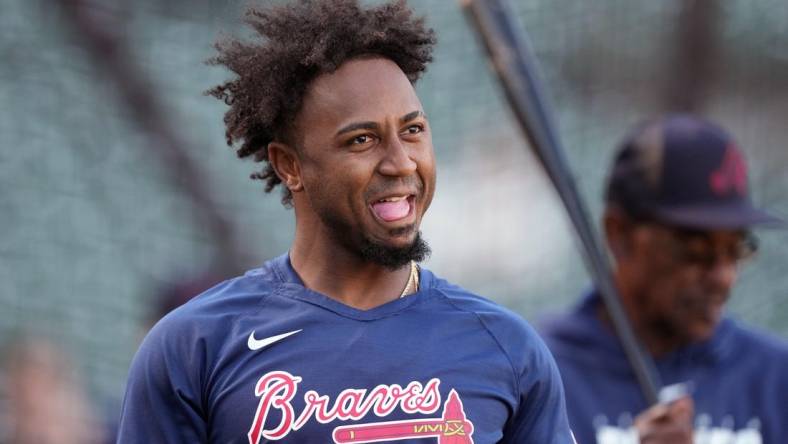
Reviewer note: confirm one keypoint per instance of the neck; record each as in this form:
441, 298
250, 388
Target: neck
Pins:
330, 269
657, 343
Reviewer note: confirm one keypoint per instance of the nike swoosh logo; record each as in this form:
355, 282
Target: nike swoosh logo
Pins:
257, 344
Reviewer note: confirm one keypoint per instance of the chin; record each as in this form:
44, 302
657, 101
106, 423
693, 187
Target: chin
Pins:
397, 254
703, 330
402, 237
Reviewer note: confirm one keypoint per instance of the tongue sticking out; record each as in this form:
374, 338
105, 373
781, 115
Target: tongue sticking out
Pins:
390, 211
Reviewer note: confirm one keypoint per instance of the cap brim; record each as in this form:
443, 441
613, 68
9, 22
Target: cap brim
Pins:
730, 217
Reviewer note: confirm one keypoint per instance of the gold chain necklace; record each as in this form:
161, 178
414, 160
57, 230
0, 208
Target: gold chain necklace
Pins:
413, 280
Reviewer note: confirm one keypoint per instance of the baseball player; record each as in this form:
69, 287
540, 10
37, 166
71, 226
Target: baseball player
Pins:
344, 338
677, 222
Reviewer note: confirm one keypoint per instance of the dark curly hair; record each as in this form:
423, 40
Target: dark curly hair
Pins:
295, 44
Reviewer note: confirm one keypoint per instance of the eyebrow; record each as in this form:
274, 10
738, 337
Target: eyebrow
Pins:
372, 125
412, 115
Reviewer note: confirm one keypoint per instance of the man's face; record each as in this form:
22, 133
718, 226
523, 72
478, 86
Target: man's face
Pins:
366, 159
682, 278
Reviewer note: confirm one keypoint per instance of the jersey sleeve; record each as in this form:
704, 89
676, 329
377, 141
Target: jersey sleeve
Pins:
541, 416
163, 397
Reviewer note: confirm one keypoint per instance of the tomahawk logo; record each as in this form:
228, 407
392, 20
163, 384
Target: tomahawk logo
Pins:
451, 428
731, 175
277, 389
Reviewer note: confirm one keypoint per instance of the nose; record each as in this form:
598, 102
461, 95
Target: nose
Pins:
723, 273
397, 160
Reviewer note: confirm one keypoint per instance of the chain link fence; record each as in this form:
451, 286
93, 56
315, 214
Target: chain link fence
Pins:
95, 222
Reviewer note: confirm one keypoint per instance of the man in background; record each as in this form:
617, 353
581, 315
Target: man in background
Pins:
44, 401
345, 338
677, 222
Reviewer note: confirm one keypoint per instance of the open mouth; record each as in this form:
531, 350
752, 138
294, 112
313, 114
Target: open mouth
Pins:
393, 208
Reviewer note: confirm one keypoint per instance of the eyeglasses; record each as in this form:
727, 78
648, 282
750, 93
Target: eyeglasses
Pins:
705, 249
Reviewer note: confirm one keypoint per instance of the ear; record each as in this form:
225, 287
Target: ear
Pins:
618, 232
285, 162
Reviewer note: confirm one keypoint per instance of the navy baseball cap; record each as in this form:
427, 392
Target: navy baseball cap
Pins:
684, 171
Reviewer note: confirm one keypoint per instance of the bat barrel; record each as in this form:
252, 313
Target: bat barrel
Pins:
517, 70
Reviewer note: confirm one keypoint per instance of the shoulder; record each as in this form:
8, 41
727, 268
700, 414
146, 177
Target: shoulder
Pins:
556, 326
540, 412
177, 354
515, 337
226, 299
198, 324
754, 342
749, 354
493, 315
575, 331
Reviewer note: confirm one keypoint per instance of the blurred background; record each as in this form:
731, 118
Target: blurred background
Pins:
120, 198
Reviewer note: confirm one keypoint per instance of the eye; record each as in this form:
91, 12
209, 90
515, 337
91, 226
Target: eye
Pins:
360, 139
414, 129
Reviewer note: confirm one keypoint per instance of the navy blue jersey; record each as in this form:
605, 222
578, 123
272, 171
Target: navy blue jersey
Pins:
261, 358
738, 380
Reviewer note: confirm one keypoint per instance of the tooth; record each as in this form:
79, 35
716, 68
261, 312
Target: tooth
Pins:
392, 199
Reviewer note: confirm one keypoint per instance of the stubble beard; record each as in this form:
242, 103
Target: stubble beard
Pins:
356, 241
394, 258
369, 250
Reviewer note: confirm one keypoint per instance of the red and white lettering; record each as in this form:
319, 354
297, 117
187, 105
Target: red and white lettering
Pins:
277, 390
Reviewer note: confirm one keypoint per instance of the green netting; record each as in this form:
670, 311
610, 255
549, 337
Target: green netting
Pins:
93, 224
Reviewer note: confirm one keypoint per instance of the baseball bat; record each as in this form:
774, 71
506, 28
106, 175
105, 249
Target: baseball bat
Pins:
515, 65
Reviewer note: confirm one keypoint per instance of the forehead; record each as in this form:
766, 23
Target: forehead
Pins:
693, 240
714, 236
369, 89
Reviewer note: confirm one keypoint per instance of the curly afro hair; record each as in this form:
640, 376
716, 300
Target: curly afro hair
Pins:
295, 44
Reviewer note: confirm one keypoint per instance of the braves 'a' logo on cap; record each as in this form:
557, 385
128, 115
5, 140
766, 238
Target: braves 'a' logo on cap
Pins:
731, 175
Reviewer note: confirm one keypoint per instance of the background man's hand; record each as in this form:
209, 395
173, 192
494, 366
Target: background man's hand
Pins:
666, 423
